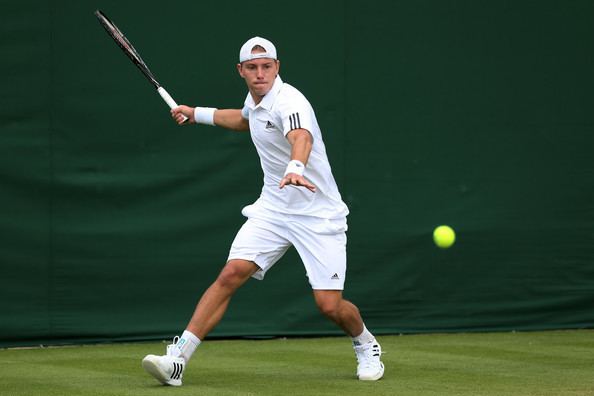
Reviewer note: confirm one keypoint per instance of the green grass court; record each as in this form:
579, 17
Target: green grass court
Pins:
535, 363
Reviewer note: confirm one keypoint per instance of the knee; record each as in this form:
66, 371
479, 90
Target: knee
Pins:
330, 307
234, 274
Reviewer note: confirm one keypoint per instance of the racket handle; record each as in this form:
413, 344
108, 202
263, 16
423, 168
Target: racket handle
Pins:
169, 100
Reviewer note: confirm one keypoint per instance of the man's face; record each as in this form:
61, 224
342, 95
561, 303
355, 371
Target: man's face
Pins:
259, 75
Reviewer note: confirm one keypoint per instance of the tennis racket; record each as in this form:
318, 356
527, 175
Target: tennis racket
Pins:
134, 56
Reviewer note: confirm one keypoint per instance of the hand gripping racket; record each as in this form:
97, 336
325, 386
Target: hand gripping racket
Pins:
134, 56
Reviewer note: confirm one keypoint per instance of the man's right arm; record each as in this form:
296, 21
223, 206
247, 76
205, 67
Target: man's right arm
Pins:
231, 119
227, 118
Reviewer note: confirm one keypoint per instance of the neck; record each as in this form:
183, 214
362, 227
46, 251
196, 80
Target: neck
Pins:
257, 98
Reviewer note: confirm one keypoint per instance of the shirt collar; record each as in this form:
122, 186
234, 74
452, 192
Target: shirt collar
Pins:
268, 99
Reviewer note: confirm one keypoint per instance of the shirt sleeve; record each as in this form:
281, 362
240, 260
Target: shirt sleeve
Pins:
245, 113
296, 115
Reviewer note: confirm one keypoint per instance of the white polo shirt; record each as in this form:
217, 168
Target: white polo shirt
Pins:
281, 110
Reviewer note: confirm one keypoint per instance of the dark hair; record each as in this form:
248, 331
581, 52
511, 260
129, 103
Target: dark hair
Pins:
258, 48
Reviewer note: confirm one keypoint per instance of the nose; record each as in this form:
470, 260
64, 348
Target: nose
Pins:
260, 73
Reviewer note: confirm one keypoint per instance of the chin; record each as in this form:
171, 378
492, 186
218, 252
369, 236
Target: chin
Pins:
262, 91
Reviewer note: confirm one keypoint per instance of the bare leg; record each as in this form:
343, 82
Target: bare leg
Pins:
168, 369
342, 312
213, 304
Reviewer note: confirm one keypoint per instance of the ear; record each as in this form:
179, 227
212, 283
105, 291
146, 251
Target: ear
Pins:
239, 70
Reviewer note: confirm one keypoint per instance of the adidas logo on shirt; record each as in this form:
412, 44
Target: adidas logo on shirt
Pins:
269, 125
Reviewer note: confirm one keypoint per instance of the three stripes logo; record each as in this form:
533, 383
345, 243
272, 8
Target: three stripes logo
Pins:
178, 369
295, 121
335, 277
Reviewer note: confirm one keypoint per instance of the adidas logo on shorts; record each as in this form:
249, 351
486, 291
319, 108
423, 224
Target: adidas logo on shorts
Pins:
335, 277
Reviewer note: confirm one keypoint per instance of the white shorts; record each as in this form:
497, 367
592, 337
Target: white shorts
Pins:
321, 243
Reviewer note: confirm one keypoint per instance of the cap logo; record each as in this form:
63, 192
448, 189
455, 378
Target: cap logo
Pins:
259, 55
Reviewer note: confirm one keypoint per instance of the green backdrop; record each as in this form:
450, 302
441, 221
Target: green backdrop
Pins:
474, 114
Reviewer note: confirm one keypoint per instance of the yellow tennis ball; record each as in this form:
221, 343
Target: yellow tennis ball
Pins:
444, 236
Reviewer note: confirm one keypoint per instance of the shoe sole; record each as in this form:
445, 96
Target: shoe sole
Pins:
152, 367
379, 375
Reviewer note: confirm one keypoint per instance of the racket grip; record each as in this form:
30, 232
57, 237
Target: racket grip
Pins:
169, 100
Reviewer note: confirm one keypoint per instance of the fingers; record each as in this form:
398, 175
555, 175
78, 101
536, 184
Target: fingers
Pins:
176, 110
177, 115
296, 180
180, 119
182, 115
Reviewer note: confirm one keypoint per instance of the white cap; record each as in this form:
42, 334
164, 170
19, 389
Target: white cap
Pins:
245, 53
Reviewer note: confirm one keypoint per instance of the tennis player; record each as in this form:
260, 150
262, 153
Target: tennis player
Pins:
299, 206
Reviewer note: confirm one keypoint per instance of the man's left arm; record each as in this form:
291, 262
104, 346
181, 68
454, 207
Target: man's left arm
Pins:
301, 145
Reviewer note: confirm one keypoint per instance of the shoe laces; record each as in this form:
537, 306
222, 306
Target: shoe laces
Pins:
368, 355
171, 346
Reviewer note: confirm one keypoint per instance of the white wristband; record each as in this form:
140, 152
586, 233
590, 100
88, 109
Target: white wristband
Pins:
295, 166
204, 115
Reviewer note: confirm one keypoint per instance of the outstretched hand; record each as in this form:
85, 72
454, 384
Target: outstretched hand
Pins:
296, 180
181, 113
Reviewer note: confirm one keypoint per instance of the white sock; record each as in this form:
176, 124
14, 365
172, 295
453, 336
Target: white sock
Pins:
186, 345
363, 338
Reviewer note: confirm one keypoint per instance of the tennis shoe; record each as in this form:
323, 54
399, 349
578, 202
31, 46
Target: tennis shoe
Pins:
167, 369
369, 364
